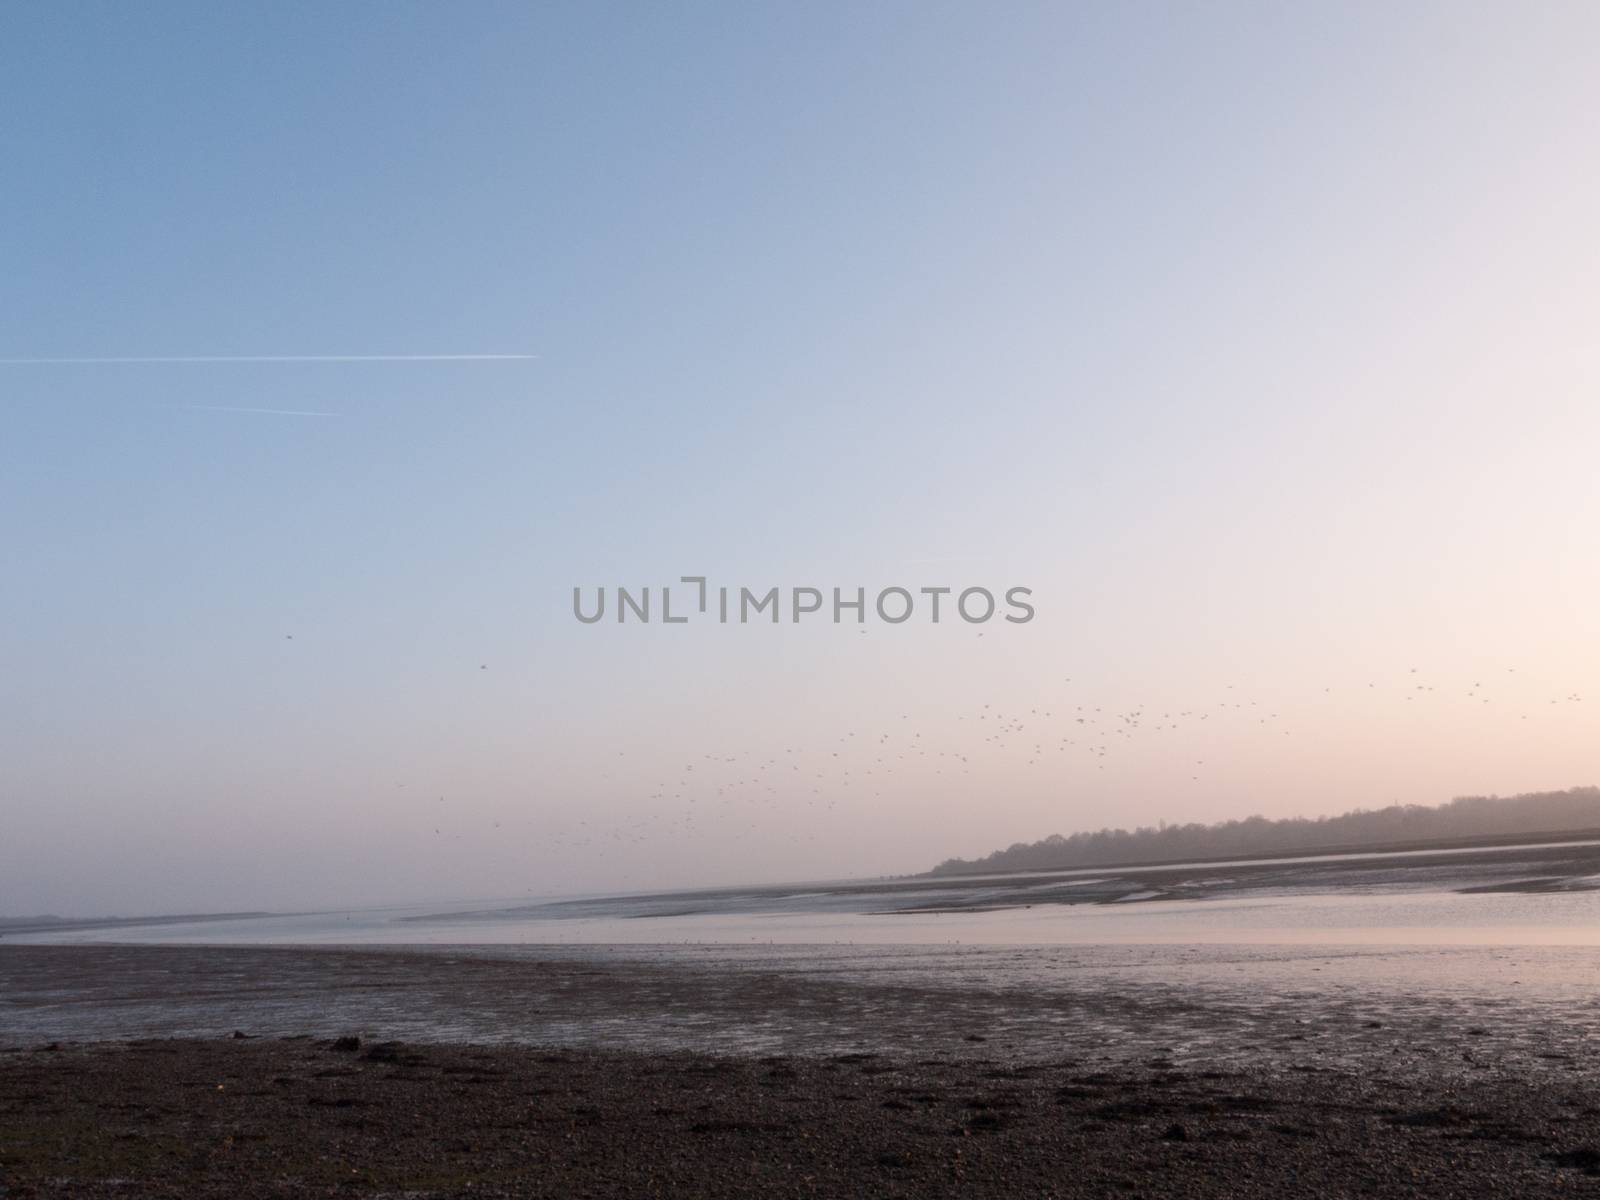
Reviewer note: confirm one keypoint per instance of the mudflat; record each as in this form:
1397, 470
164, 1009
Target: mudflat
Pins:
297, 1117
536, 1071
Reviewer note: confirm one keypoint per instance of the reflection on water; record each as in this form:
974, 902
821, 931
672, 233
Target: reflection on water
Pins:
1533, 895
1375, 1009
1439, 961
1371, 918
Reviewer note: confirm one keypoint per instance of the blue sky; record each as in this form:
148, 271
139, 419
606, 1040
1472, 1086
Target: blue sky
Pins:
1257, 341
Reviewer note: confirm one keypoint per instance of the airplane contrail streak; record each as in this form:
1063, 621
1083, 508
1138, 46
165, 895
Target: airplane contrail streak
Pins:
277, 412
271, 358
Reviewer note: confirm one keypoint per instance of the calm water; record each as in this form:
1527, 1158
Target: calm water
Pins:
1540, 895
1465, 959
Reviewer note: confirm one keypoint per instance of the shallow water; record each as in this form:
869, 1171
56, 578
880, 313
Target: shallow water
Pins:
1541, 895
1357, 918
1353, 960
1464, 1008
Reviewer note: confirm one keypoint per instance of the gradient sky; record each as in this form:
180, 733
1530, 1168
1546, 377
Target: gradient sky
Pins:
1258, 340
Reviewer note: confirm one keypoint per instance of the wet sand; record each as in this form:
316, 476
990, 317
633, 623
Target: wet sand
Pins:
253, 1118
542, 1072
1567, 863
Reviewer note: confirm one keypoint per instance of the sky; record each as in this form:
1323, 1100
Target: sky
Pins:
339, 344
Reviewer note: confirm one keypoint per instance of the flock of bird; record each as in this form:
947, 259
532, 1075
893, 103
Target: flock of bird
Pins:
736, 791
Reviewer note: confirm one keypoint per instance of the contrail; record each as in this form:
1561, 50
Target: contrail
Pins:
271, 358
277, 412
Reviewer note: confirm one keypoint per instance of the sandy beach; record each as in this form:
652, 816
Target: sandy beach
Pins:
157, 1071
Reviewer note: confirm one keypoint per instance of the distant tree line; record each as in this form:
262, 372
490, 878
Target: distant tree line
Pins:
1465, 817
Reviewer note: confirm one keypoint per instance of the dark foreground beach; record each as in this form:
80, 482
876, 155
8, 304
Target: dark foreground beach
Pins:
572, 1074
301, 1117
